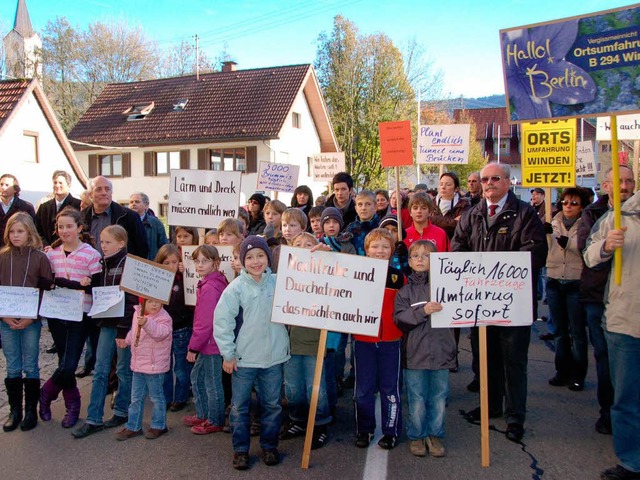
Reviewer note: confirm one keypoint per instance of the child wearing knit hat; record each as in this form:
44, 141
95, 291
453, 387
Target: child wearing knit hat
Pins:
332, 223
253, 353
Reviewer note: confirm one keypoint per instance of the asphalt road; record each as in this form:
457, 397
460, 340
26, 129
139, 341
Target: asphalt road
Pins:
560, 441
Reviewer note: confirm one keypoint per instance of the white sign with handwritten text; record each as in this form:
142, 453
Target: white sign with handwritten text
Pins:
191, 277
147, 279
108, 302
280, 177
326, 165
443, 144
19, 302
62, 304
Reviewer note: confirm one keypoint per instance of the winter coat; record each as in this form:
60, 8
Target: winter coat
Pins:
181, 314
46, 217
359, 230
592, 280
153, 353
564, 263
348, 213
39, 274
423, 347
130, 221
432, 233
447, 221
156, 235
622, 302
210, 289
517, 228
259, 343
18, 205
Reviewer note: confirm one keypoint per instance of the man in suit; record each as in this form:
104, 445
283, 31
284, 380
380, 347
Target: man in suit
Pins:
11, 202
46, 215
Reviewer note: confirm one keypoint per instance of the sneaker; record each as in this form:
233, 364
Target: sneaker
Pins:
387, 442
126, 434
435, 446
270, 457
241, 461
86, 430
293, 430
418, 448
619, 473
177, 406
115, 421
154, 433
205, 428
193, 420
319, 437
603, 425
363, 440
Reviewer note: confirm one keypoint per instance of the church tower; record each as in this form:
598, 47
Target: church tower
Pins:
23, 47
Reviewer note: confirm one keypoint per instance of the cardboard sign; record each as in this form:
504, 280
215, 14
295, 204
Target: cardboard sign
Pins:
443, 144
548, 154
203, 198
327, 290
280, 177
585, 159
628, 128
191, 277
62, 304
568, 68
147, 279
19, 302
396, 146
108, 302
481, 288
326, 165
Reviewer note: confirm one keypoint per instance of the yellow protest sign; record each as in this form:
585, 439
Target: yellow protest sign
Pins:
549, 153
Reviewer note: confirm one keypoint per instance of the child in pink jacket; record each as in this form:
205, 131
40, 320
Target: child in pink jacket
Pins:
150, 360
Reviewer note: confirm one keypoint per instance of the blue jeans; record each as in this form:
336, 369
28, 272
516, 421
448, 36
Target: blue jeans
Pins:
269, 384
377, 369
624, 358
331, 381
298, 386
208, 396
571, 331
68, 338
140, 385
341, 355
427, 392
594, 314
179, 366
21, 348
104, 354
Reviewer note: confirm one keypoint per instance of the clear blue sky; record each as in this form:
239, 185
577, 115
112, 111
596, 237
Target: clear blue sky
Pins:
460, 36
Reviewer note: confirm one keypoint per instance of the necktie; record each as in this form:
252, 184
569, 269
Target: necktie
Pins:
492, 210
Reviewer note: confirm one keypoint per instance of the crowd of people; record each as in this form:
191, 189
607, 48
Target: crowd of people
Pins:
225, 348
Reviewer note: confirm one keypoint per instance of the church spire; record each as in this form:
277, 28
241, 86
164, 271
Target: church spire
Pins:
22, 23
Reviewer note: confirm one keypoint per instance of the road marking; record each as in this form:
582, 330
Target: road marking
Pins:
375, 467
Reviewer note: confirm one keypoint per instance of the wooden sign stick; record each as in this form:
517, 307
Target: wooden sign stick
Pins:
311, 420
143, 302
484, 398
398, 203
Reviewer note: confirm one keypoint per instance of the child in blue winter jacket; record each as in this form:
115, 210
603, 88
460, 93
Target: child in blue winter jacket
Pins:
256, 353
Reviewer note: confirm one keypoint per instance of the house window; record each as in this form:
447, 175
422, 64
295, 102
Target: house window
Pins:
30, 147
164, 210
229, 159
309, 166
166, 161
501, 145
297, 120
110, 165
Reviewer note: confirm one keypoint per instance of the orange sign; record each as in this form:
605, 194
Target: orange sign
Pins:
396, 148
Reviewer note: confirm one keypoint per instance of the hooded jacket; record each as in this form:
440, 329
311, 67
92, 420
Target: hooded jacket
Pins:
153, 353
210, 289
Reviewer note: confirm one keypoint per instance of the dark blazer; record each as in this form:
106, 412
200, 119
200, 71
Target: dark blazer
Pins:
130, 221
46, 217
18, 205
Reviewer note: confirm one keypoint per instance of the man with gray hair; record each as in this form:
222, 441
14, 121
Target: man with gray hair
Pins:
47, 212
156, 235
474, 189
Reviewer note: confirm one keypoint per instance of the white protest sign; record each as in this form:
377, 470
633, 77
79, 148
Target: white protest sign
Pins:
481, 288
585, 159
443, 144
108, 302
191, 277
147, 279
628, 128
280, 177
203, 198
327, 290
62, 304
19, 302
326, 165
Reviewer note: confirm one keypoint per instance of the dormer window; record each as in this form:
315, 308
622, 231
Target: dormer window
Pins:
139, 111
180, 105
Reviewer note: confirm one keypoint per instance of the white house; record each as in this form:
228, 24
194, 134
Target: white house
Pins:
32, 142
136, 132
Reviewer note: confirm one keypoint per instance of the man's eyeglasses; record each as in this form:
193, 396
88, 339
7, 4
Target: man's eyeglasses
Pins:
493, 178
573, 203
424, 256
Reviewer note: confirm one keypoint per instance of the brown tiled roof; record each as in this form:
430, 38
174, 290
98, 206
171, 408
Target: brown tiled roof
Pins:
487, 121
11, 91
222, 106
